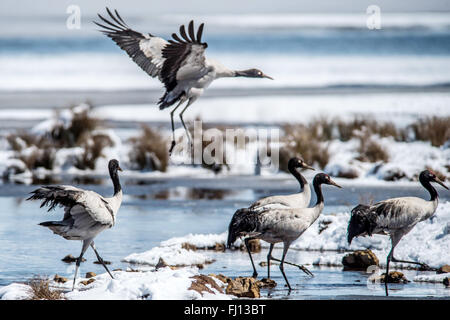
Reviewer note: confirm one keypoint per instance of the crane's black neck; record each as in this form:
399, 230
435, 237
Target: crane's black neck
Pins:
427, 185
318, 190
115, 179
301, 180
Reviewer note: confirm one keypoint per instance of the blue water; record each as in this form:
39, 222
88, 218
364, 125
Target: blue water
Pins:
331, 42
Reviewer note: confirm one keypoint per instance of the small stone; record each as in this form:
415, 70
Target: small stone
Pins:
161, 264
86, 282
118, 269
104, 261
90, 275
60, 279
266, 283
243, 287
254, 245
359, 260
444, 269
70, 259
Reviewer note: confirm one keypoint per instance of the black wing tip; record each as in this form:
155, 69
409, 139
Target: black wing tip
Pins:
192, 38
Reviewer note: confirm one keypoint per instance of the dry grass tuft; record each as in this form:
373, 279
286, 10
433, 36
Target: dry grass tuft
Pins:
305, 141
370, 150
77, 132
40, 290
149, 151
433, 129
93, 148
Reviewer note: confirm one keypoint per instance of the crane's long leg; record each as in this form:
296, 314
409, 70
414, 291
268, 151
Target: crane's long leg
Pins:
255, 274
303, 268
100, 259
395, 239
269, 256
285, 250
86, 243
386, 277
191, 100
173, 126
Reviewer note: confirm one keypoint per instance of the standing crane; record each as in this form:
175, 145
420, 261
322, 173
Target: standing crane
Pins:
297, 200
180, 63
86, 213
395, 217
275, 225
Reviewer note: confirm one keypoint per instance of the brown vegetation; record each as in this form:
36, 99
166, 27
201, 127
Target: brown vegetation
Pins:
149, 150
40, 290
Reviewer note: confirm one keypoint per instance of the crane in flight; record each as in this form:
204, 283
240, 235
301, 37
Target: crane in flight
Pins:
179, 63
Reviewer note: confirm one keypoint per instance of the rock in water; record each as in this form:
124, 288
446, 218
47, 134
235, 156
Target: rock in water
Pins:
60, 279
254, 245
243, 287
444, 269
70, 259
394, 277
266, 283
359, 260
90, 275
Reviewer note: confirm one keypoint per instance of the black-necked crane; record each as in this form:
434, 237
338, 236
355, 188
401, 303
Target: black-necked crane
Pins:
86, 213
180, 63
275, 225
297, 200
395, 217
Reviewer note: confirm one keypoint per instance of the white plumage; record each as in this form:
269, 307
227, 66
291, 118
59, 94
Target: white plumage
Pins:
179, 63
86, 213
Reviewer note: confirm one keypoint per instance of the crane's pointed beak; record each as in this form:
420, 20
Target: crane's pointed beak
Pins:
437, 180
335, 184
266, 76
305, 166
119, 168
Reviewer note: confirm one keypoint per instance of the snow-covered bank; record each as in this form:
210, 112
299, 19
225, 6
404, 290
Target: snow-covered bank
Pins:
428, 242
163, 284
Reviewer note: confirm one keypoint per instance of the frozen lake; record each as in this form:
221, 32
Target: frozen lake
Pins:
158, 209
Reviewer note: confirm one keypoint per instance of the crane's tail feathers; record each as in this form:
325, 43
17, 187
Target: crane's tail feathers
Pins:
362, 222
243, 223
53, 196
168, 100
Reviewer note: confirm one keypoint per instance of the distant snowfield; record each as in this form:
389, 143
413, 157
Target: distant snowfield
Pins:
400, 108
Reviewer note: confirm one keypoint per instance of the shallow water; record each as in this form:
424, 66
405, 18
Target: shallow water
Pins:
159, 210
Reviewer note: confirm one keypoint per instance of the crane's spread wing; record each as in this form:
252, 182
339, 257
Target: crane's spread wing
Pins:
184, 57
80, 205
144, 49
